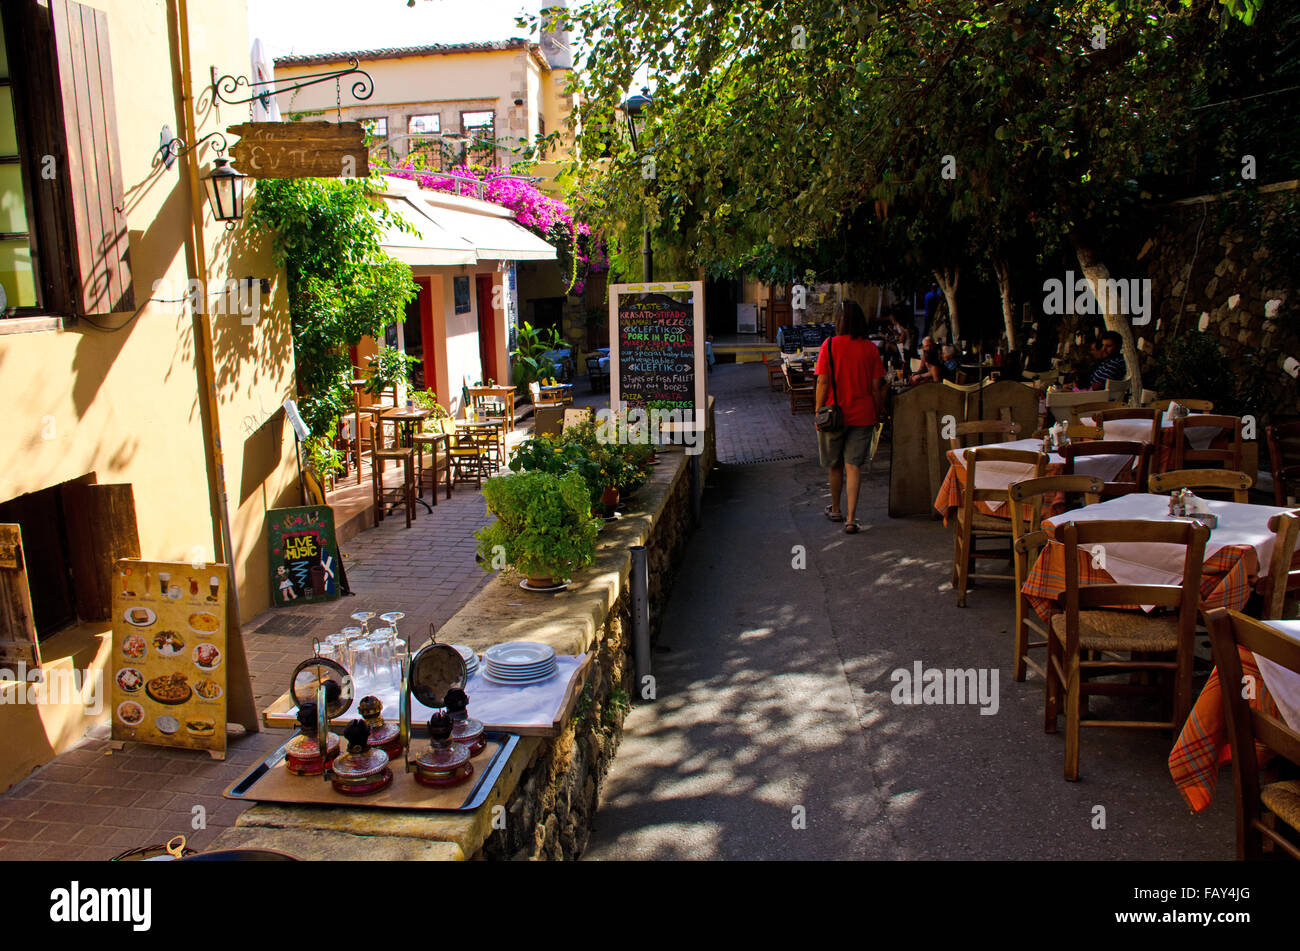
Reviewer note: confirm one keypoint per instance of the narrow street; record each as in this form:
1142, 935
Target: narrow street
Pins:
774, 694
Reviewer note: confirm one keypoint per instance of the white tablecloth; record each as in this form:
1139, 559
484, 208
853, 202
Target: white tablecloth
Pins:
1139, 430
1282, 683
1144, 563
1001, 475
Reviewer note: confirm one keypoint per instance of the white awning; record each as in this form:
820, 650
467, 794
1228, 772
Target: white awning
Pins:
432, 245
457, 230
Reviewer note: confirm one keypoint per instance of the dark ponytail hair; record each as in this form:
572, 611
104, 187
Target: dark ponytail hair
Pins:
849, 319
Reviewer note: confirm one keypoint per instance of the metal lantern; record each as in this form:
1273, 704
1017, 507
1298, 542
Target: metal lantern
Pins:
225, 189
635, 108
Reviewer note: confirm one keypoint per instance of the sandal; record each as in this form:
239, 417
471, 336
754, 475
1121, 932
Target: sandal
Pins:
851, 528
833, 515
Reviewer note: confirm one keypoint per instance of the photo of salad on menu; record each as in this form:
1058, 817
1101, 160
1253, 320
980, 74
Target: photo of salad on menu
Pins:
169, 648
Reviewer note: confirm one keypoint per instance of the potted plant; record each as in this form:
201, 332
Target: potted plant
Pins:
529, 358
544, 525
386, 368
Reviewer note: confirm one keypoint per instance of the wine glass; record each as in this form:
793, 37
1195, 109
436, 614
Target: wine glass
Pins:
391, 618
363, 618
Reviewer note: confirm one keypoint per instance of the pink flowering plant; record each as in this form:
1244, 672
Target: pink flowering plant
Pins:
580, 252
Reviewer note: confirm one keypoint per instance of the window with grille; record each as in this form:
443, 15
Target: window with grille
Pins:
424, 140
480, 127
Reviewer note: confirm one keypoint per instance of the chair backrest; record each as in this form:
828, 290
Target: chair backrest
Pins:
1284, 456
1085, 410
1027, 501
1230, 633
1154, 415
1184, 597
595, 369
1222, 480
1183, 454
1191, 402
1059, 402
972, 494
1140, 451
1281, 578
980, 428
1119, 389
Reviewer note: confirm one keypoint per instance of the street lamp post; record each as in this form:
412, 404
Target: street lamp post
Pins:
636, 108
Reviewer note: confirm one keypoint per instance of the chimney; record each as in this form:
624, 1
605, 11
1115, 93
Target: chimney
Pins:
555, 43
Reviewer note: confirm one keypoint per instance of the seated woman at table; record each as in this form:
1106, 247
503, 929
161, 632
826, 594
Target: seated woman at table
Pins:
932, 366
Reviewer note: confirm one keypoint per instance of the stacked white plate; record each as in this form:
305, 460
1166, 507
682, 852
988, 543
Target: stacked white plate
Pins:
519, 663
471, 658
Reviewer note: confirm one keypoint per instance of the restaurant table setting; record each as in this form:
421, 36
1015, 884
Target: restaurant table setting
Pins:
1002, 475
377, 769
1239, 544
1139, 430
1204, 744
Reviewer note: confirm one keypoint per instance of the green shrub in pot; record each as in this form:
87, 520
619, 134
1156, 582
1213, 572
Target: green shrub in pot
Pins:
544, 524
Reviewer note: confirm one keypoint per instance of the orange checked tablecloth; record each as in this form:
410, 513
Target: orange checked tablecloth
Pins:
1002, 475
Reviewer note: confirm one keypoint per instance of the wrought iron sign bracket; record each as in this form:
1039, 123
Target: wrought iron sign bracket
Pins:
174, 146
227, 86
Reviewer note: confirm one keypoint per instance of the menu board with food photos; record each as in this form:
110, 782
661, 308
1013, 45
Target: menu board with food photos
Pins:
169, 668
657, 348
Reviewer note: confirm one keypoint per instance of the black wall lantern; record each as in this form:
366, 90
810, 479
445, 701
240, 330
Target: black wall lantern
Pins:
635, 108
224, 186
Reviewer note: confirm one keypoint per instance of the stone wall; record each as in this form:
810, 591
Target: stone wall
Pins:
1209, 270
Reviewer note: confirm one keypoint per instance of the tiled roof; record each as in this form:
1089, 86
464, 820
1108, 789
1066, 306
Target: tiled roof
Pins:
396, 52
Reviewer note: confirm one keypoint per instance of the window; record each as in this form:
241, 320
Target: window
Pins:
17, 247
64, 245
377, 135
480, 127
424, 142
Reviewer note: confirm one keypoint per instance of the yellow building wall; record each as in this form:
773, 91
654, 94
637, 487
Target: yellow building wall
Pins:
124, 404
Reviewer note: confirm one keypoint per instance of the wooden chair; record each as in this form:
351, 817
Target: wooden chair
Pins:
1081, 411
1282, 579
1026, 530
1217, 480
535, 392
1117, 391
1260, 807
1077, 431
803, 396
1101, 417
469, 453
1195, 405
1085, 627
597, 375
980, 428
429, 442
775, 376
973, 525
1184, 454
1282, 438
405, 493
1140, 451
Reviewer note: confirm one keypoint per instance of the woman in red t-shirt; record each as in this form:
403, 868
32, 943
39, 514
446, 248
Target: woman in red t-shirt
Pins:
859, 391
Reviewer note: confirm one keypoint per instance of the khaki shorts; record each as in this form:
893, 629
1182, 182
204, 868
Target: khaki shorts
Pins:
850, 446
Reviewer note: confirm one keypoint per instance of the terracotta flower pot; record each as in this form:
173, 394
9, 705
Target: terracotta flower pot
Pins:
609, 499
547, 582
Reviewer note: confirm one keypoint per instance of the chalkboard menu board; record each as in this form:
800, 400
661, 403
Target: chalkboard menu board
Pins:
657, 347
304, 555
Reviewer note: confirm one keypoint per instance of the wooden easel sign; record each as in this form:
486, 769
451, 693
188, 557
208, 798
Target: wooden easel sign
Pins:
178, 667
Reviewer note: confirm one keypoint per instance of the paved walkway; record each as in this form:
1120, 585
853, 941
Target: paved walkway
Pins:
774, 734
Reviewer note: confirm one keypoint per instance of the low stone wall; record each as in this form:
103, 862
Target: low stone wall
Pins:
541, 807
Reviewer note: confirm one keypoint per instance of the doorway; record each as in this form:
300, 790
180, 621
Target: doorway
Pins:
487, 328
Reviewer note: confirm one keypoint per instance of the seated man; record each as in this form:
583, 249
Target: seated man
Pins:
1112, 366
949, 362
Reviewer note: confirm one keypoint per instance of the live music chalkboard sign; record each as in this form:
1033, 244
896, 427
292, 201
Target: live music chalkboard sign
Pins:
657, 349
304, 555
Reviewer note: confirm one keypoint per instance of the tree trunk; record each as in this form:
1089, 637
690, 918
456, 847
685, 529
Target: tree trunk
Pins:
947, 281
1003, 270
1095, 270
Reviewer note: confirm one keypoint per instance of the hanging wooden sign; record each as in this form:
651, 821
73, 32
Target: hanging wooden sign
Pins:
300, 150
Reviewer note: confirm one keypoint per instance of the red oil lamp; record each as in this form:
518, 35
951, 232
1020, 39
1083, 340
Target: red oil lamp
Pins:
361, 769
322, 691
444, 763
383, 736
302, 754
466, 731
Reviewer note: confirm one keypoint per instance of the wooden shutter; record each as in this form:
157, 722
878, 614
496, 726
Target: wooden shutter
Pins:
101, 529
94, 166
17, 629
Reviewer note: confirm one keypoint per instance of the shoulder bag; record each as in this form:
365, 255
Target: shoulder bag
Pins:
830, 419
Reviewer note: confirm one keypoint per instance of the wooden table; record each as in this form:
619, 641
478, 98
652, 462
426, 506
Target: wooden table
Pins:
495, 426
406, 417
1139, 430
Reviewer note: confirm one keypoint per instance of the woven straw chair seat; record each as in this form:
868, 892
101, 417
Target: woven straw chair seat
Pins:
988, 523
1283, 800
1123, 631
